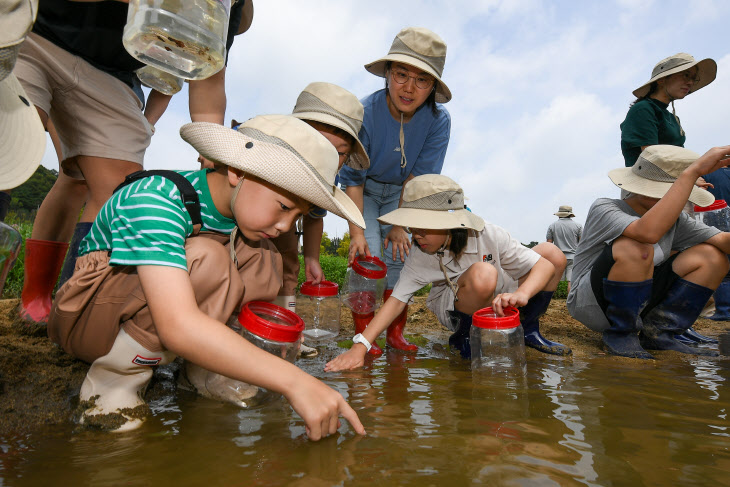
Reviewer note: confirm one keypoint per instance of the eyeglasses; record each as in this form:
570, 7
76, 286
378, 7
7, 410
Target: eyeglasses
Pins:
401, 77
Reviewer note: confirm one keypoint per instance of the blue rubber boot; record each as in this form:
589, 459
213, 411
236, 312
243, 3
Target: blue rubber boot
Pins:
722, 302
459, 340
530, 318
82, 229
674, 316
626, 300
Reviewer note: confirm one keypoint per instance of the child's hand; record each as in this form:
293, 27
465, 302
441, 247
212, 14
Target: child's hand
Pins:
504, 300
320, 407
313, 271
353, 358
712, 160
358, 245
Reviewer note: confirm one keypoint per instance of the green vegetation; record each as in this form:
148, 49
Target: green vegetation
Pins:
14, 281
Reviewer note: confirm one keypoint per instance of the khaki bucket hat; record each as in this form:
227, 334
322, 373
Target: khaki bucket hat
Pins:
335, 106
22, 137
565, 211
282, 150
420, 48
707, 70
433, 202
655, 171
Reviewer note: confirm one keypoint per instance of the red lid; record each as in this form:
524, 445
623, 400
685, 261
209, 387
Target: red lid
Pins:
271, 322
324, 288
487, 318
370, 267
717, 205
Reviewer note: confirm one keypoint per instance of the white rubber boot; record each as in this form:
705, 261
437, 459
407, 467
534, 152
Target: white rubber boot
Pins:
117, 381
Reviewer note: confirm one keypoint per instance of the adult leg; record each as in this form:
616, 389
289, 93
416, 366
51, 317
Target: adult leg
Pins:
476, 289
700, 270
538, 304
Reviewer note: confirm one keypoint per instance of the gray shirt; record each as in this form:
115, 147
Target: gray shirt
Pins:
565, 234
607, 219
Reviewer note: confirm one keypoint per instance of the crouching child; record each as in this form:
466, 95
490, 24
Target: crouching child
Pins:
471, 264
154, 280
644, 269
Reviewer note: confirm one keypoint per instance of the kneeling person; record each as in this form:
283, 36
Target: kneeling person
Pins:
644, 269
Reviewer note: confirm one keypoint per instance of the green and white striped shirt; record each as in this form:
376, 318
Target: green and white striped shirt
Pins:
146, 223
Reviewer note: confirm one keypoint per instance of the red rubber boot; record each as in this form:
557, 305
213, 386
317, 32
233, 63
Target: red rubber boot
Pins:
361, 322
394, 335
43, 261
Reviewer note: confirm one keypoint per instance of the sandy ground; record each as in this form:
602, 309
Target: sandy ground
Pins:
39, 383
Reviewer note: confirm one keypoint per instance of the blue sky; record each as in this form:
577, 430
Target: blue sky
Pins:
539, 88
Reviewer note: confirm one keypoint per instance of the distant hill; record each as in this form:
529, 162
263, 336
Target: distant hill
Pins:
29, 195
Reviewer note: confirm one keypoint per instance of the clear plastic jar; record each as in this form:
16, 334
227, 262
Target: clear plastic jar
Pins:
186, 38
271, 328
716, 215
364, 285
10, 241
319, 306
160, 80
498, 343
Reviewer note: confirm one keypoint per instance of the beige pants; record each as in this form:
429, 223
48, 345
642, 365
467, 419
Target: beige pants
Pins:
99, 299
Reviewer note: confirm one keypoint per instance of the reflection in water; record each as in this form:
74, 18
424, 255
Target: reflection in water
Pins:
430, 421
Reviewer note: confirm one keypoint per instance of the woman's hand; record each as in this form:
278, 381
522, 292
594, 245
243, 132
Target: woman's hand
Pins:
313, 271
701, 183
358, 246
504, 300
401, 242
353, 358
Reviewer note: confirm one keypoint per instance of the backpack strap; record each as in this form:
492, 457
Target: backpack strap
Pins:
187, 191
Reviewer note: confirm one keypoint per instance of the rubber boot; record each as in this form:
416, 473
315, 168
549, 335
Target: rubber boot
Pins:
530, 318
5, 199
394, 334
82, 229
115, 385
626, 300
43, 260
459, 340
674, 316
361, 322
722, 302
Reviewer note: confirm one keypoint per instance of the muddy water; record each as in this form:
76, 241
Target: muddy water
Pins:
598, 421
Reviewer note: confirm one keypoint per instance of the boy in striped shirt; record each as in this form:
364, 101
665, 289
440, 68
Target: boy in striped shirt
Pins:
150, 284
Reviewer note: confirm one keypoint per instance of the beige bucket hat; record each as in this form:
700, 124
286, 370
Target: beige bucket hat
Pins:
335, 106
565, 211
707, 70
420, 48
433, 202
22, 137
655, 171
282, 150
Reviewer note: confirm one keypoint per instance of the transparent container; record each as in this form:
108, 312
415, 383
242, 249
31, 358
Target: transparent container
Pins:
716, 215
498, 343
319, 306
271, 328
10, 241
364, 285
160, 80
186, 38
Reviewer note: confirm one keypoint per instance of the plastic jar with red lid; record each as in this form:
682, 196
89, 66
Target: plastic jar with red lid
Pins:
498, 343
364, 285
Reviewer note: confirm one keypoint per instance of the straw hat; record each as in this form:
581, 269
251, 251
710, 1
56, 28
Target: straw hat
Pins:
655, 171
22, 137
420, 48
282, 150
433, 202
564, 211
335, 106
707, 70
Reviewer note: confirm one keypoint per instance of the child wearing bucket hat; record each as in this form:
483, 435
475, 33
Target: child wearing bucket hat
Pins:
648, 122
405, 132
471, 264
644, 269
336, 114
158, 276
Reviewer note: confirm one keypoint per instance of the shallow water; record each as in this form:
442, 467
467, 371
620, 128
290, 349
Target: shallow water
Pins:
600, 421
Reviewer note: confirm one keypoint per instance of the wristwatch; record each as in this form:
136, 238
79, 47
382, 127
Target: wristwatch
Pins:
361, 339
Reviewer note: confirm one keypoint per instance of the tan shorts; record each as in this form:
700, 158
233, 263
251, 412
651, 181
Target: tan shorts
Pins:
288, 246
94, 113
99, 299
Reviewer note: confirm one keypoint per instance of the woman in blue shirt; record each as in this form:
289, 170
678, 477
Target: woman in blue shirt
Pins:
405, 133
